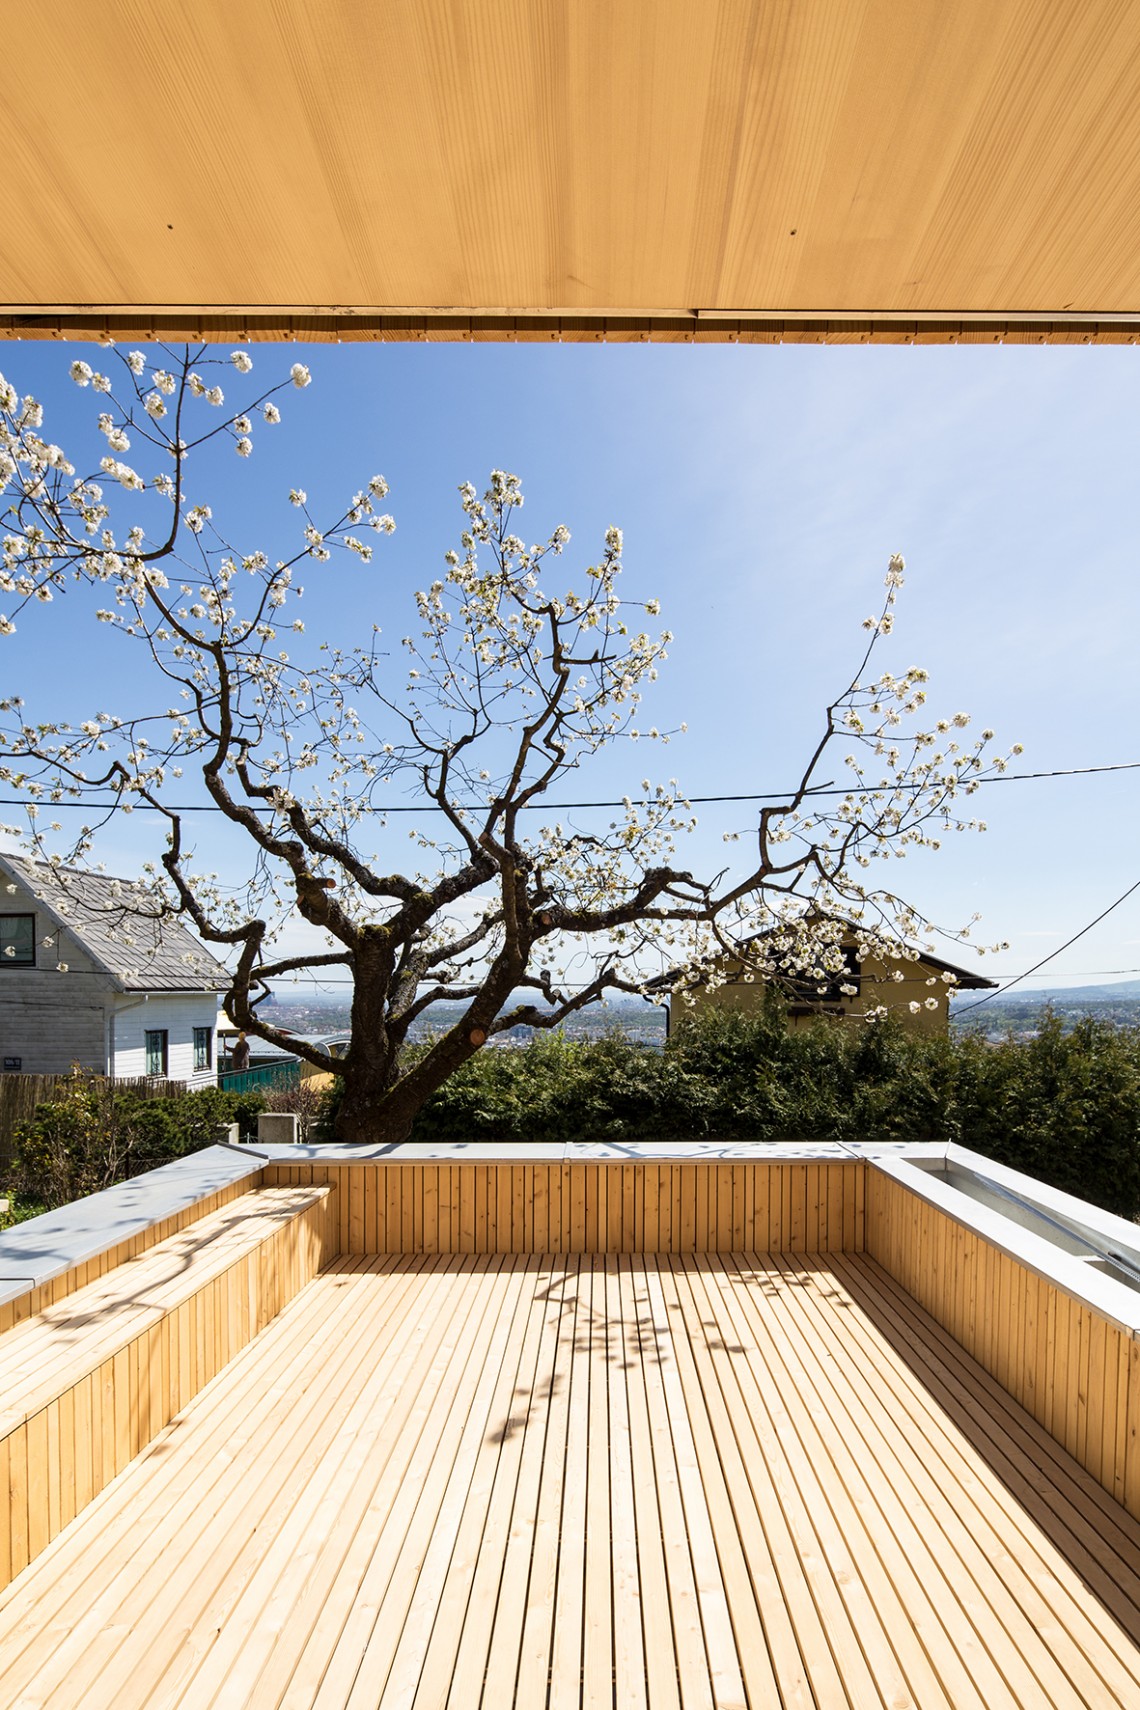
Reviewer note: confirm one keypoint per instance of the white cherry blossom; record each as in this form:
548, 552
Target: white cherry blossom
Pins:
501, 686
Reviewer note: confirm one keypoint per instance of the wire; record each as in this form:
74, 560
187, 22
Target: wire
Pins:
558, 807
1001, 778
576, 985
1071, 973
1052, 957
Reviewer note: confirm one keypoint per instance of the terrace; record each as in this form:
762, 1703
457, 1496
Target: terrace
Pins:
724, 1428
734, 1427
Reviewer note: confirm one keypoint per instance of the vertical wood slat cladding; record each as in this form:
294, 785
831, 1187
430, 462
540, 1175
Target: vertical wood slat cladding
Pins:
61, 1456
58, 1288
1076, 1373
648, 1206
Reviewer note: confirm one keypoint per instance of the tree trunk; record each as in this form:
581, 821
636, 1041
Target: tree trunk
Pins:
371, 1118
372, 1112
379, 1107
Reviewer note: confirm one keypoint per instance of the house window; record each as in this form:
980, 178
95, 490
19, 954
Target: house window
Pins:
808, 994
203, 1047
17, 940
849, 977
156, 1051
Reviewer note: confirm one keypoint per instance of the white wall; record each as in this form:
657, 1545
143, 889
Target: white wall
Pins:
53, 1020
50, 1027
179, 1013
49, 1019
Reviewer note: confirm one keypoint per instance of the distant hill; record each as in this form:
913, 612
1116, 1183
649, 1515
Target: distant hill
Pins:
1019, 1012
1124, 990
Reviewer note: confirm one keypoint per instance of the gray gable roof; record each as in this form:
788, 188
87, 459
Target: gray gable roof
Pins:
119, 924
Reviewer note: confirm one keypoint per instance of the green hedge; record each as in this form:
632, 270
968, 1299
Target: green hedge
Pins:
93, 1134
1064, 1107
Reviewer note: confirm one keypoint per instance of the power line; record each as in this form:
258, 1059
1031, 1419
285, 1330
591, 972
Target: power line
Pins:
118, 806
1052, 957
576, 985
1003, 777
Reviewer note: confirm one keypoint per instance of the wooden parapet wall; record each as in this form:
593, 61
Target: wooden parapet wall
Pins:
87, 1384
645, 1207
1076, 1373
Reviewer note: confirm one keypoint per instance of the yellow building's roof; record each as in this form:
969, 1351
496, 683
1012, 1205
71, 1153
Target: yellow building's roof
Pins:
539, 168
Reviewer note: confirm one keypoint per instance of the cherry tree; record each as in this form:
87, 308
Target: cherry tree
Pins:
505, 687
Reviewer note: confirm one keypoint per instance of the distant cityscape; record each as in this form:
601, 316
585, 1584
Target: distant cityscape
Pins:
1015, 1013
319, 1015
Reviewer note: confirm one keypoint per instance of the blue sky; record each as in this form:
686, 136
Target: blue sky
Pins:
761, 491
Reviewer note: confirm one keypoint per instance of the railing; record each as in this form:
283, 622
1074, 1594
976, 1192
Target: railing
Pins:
261, 1077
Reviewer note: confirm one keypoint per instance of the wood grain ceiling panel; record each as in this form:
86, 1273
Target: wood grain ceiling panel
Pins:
729, 167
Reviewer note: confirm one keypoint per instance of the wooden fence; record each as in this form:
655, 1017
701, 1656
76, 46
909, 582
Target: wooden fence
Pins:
20, 1094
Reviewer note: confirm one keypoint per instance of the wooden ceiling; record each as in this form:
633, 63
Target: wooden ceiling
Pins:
680, 169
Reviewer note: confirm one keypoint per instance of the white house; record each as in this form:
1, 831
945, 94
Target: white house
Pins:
91, 973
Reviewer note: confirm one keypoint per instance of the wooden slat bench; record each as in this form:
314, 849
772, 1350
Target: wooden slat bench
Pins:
51, 1256
92, 1379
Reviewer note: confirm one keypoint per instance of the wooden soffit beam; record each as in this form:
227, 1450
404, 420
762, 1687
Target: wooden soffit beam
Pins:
675, 170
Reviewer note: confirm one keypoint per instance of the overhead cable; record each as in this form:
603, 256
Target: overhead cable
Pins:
118, 805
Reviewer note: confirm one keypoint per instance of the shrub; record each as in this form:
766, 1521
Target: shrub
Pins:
308, 1102
92, 1134
17, 1210
1062, 1107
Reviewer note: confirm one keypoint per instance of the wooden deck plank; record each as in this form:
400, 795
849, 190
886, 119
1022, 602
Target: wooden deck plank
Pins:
266, 1628
16, 1625
465, 1687
690, 1661
776, 1470
206, 1514
542, 1588
745, 1563
662, 1688
724, 1682
963, 1560
597, 1637
146, 1488
830, 1427
413, 1500
450, 1611
1072, 1621
1104, 1535
450, 1603
629, 1643
769, 1652
569, 1599
543, 1419
115, 1550
682, 1483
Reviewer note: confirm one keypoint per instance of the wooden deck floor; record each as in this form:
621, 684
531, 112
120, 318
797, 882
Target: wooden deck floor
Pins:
589, 1482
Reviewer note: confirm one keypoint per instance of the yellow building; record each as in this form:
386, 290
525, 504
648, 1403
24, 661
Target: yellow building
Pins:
916, 991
